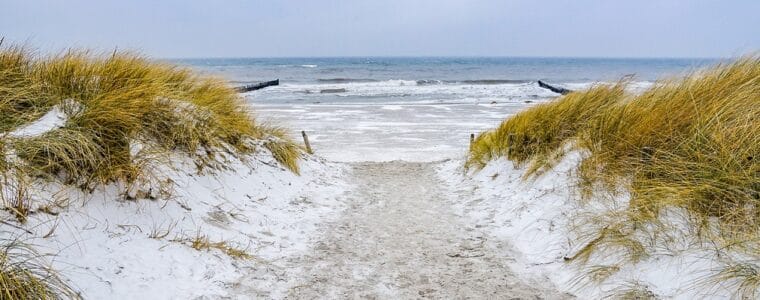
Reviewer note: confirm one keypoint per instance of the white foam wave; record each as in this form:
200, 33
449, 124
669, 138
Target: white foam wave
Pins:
408, 91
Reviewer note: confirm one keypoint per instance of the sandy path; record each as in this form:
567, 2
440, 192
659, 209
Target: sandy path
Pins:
398, 239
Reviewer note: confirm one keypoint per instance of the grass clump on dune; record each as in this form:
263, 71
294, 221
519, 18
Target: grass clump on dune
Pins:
538, 133
24, 276
690, 143
21, 98
117, 105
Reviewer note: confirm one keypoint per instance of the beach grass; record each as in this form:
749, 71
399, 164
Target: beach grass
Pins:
203, 243
690, 143
21, 98
24, 275
118, 103
535, 135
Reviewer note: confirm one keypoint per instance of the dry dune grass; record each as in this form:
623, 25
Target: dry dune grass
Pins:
21, 98
116, 103
23, 275
536, 134
691, 143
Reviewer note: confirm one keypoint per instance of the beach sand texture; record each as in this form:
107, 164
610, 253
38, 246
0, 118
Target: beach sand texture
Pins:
400, 239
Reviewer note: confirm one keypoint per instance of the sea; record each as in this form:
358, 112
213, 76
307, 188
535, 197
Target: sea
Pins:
416, 108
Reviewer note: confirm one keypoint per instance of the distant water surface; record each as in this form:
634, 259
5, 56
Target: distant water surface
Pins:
429, 79
452, 69
418, 109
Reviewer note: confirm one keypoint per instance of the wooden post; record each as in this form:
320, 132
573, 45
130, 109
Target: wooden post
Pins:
257, 86
558, 90
472, 139
510, 140
306, 142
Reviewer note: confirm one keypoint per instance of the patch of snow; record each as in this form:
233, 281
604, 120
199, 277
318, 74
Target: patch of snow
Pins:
53, 119
537, 216
109, 247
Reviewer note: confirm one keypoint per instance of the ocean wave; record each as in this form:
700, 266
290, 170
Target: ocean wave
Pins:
308, 66
475, 81
428, 81
496, 81
346, 80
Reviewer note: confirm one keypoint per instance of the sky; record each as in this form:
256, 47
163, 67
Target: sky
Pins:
308, 28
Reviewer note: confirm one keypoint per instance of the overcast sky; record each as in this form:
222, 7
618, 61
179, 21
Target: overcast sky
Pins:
237, 28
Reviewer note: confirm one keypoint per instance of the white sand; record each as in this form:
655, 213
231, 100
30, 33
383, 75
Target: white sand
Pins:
381, 132
400, 239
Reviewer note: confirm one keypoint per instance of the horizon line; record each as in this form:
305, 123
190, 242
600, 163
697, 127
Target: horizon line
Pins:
456, 56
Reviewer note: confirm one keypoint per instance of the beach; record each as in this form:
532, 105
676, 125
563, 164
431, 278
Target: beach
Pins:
338, 149
412, 189
413, 109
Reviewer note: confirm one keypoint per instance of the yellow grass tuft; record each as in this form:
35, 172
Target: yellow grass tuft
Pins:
21, 98
202, 242
535, 134
631, 291
744, 276
24, 276
690, 143
284, 151
14, 197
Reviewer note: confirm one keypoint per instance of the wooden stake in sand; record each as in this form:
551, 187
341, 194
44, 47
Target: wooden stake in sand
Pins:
472, 139
556, 89
257, 86
306, 142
